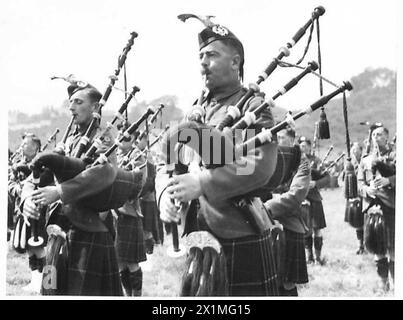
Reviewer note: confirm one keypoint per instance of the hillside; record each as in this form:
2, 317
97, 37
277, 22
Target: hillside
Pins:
373, 99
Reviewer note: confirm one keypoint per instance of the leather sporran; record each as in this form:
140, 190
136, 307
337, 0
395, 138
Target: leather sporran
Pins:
353, 213
375, 237
205, 272
306, 216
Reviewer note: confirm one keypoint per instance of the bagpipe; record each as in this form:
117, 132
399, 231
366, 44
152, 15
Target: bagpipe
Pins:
194, 134
65, 168
203, 140
125, 183
132, 164
322, 170
97, 115
88, 157
51, 138
29, 233
144, 132
288, 157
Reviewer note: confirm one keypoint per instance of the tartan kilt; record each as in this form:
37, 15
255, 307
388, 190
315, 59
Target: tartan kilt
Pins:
129, 244
251, 269
151, 220
295, 269
92, 264
317, 215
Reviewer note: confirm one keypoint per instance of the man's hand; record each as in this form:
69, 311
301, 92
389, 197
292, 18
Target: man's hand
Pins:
185, 187
59, 148
381, 182
168, 211
30, 209
45, 195
370, 191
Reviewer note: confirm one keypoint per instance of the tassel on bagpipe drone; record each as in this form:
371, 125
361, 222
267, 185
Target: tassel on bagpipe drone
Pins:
266, 135
97, 115
323, 126
202, 138
125, 183
119, 115
350, 178
234, 111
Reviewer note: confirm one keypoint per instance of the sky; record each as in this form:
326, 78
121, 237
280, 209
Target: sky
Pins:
44, 38
48, 38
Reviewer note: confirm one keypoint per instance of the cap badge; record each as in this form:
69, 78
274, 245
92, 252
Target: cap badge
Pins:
220, 30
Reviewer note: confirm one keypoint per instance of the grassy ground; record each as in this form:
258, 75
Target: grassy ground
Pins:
345, 274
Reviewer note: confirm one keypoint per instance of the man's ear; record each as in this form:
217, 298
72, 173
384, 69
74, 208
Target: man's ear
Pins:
236, 61
95, 106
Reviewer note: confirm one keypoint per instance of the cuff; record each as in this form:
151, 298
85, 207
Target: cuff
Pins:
59, 190
204, 178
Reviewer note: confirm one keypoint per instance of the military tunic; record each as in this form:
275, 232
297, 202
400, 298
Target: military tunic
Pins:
249, 257
316, 219
387, 194
286, 208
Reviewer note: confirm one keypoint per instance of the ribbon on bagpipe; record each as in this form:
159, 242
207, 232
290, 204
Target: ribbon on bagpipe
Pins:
97, 115
254, 87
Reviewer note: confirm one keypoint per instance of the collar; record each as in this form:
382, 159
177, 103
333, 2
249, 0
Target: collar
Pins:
224, 95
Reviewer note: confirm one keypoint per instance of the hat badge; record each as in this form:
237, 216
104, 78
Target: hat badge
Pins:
220, 30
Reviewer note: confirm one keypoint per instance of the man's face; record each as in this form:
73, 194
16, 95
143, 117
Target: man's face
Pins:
356, 150
219, 65
29, 147
380, 137
125, 145
305, 147
284, 139
82, 107
142, 144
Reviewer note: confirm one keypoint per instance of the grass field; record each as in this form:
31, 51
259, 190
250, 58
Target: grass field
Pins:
345, 274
